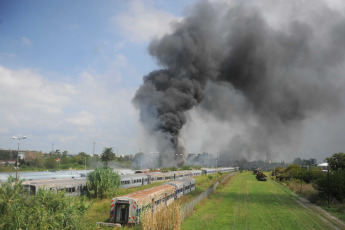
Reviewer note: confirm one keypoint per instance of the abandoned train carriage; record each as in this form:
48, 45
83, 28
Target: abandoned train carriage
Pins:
72, 187
134, 180
183, 186
126, 209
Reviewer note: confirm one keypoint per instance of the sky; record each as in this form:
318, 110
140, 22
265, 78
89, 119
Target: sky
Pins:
70, 69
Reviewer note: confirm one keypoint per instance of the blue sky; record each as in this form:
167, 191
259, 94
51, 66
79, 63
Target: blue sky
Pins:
69, 69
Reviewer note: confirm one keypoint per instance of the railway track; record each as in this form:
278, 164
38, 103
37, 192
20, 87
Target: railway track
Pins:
242, 200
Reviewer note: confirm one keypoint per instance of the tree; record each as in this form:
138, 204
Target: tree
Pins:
107, 155
51, 162
64, 153
34, 159
103, 182
297, 161
294, 171
57, 152
332, 184
337, 161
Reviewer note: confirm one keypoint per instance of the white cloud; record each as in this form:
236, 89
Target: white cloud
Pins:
72, 115
142, 22
26, 41
26, 89
84, 118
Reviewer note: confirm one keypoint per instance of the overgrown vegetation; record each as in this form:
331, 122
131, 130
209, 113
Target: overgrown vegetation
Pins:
46, 210
326, 189
165, 218
103, 183
185, 167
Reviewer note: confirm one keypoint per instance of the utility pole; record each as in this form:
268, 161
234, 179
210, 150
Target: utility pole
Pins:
52, 148
93, 152
18, 139
328, 186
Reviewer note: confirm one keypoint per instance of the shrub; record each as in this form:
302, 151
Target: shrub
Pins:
186, 167
46, 210
103, 182
335, 186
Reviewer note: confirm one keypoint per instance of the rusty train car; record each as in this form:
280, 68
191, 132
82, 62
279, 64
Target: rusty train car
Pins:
126, 209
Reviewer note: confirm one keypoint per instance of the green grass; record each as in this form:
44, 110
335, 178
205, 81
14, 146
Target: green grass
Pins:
245, 203
202, 183
336, 209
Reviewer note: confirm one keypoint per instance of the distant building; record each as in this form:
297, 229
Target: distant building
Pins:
21, 156
8, 162
313, 161
323, 166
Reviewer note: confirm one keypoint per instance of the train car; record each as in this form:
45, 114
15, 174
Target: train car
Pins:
72, 187
126, 209
134, 180
230, 169
158, 176
208, 171
179, 174
196, 172
184, 185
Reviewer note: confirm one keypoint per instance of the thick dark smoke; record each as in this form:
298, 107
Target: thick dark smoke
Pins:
284, 75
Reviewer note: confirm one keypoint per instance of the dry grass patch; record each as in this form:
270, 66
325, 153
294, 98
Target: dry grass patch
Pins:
163, 219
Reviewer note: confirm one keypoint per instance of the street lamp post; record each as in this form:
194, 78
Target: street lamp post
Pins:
18, 139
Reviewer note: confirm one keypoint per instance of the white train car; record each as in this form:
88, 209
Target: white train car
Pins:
134, 180
72, 187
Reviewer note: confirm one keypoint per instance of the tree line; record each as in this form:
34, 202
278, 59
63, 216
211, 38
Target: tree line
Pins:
58, 160
330, 184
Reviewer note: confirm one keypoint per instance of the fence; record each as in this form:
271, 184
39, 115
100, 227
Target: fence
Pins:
188, 208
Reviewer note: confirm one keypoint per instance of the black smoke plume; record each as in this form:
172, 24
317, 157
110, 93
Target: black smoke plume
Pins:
285, 74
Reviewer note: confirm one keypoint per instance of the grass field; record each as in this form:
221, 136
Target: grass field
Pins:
245, 203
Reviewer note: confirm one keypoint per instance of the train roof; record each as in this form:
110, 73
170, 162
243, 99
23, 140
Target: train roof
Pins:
134, 176
55, 181
147, 193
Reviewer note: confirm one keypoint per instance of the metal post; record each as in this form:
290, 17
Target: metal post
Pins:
18, 140
17, 162
93, 152
328, 186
